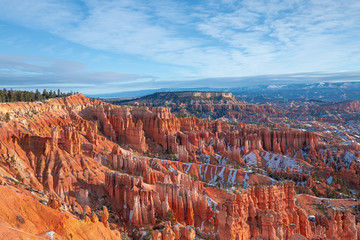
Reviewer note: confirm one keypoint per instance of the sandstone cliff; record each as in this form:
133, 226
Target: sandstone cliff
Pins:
181, 177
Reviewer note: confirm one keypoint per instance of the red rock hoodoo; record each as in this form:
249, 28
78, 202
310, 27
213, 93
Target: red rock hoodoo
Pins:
147, 172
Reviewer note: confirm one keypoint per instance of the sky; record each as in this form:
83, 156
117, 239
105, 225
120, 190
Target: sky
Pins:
105, 46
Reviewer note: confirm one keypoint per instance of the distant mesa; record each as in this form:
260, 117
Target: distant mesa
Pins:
325, 91
195, 97
213, 105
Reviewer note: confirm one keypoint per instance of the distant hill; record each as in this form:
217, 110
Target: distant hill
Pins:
328, 92
213, 105
141, 93
186, 97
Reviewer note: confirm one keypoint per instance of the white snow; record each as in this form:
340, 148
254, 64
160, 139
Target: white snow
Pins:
211, 202
217, 176
50, 234
348, 158
189, 166
251, 159
131, 215
311, 218
221, 174
205, 171
276, 86
245, 183
279, 162
232, 176
329, 180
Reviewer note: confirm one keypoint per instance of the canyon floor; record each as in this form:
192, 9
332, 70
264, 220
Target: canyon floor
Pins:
194, 166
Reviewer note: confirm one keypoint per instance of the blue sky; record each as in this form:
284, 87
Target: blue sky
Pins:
120, 45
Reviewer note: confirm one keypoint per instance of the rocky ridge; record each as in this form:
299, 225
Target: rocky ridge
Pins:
211, 105
181, 177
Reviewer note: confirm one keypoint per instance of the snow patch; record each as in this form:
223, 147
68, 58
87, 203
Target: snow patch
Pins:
50, 234
221, 174
189, 166
232, 176
279, 162
211, 202
131, 215
251, 159
329, 180
276, 86
245, 183
348, 158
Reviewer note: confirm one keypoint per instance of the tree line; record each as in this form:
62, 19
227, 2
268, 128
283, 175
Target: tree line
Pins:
31, 96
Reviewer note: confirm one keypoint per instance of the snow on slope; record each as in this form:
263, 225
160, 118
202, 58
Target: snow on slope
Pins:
274, 161
279, 162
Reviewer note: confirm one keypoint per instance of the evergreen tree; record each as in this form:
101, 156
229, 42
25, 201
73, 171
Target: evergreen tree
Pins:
29, 96
11, 97
5, 95
45, 94
38, 96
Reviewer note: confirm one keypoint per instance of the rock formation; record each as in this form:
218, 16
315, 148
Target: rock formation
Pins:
181, 177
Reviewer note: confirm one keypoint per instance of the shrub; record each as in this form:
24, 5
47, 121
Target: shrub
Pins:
18, 177
315, 191
7, 117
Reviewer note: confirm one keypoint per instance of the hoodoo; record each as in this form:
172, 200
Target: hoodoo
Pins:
146, 171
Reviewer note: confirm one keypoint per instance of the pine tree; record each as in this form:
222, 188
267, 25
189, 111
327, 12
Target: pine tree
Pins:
29, 96
45, 94
38, 96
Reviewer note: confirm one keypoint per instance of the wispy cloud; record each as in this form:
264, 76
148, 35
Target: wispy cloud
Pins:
250, 81
202, 39
31, 73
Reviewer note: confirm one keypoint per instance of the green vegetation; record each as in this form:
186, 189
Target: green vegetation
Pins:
149, 233
124, 236
301, 190
110, 166
345, 185
18, 177
170, 217
330, 193
7, 117
30, 96
315, 191
13, 160
323, 209
104, 151
180, 115
163, 154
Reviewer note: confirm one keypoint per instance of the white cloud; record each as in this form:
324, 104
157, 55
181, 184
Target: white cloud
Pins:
30, 72
207, 38
49, 14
